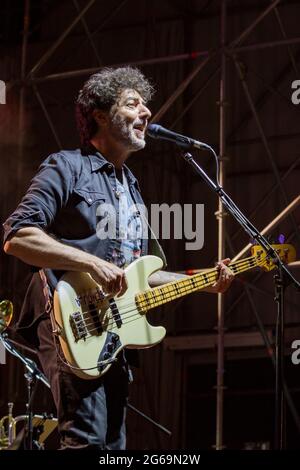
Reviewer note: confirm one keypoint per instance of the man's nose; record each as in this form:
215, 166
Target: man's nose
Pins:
144, 112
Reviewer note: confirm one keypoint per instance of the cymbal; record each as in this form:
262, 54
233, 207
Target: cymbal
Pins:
6, 313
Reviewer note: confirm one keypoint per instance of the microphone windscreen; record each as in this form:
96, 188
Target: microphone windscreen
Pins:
152, 130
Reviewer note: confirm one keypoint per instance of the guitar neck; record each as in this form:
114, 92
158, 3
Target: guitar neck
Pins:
174, 290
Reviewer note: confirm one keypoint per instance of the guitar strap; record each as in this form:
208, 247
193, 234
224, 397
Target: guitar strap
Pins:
49, 300
154, 245
156, 249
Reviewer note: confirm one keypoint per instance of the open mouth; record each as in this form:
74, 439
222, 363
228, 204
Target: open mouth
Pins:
139, 130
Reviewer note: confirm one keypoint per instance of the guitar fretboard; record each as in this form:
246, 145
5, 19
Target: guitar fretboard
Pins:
173, 290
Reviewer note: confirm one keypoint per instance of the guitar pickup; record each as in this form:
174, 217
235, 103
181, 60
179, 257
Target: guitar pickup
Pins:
78, 326
115, 313
95, 317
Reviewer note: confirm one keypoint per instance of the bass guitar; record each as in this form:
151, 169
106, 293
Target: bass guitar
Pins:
93, 328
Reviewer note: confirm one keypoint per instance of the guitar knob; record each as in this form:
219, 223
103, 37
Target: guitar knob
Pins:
106, 356
115, 339
110, 347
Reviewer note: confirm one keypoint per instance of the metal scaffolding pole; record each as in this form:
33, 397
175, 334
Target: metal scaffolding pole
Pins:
268, 45
221, 234
181, 88
279, 179
265, 142
290, 52
195, 97
248, 30
295, 203
158, 60
47, 116
88, 33
269, 348
91, 70
267, 196
242, 36
265, 231
57, 43
262, 99
103, 21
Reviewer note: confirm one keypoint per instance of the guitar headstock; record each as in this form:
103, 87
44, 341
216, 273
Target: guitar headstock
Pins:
286, 252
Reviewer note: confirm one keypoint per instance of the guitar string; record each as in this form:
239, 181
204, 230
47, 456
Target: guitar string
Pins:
138, 315
207, 273
242, 270
129, 319
134, 317
168, 297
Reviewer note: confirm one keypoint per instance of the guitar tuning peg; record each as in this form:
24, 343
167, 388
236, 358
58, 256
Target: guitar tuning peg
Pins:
281, 239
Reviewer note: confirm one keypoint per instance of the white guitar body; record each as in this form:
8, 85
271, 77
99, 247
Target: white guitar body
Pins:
92, 330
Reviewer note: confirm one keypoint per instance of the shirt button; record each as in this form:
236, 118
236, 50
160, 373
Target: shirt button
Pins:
90, 200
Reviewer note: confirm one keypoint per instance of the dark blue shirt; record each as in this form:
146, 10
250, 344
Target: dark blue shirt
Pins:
62, 200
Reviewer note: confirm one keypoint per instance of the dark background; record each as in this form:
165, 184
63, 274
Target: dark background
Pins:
169, 40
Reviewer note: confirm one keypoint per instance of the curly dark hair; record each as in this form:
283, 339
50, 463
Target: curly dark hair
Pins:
101, 91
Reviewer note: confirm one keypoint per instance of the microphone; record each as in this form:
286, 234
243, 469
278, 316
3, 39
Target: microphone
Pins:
158, 132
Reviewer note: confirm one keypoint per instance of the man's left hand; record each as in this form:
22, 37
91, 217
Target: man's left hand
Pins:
225, 278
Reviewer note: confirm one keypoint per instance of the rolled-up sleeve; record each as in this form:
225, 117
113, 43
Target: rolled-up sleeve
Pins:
48, 192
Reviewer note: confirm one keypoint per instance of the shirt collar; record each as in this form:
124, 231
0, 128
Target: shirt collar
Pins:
98, 162
130, 176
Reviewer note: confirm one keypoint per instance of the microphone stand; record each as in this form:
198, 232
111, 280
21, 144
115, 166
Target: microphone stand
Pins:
281, 279
150, 420
32, 375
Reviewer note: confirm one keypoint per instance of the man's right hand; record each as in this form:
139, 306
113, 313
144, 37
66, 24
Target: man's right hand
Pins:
35, 247
111, 278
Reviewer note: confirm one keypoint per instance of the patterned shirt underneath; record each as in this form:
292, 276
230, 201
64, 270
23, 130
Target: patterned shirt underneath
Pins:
128, 242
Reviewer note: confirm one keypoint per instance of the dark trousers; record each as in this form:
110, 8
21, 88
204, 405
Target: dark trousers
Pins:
91, 413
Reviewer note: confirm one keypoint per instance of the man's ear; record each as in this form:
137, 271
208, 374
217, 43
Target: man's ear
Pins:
100, 117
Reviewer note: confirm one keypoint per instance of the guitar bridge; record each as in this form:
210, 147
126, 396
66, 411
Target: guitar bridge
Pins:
78, 326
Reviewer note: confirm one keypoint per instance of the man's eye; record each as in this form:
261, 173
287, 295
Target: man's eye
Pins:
131, 105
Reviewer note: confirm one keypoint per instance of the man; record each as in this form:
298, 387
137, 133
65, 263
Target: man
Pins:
55, 228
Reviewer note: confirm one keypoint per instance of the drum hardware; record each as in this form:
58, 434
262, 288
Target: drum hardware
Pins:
32, 375
6, 313
43, 425
7, 428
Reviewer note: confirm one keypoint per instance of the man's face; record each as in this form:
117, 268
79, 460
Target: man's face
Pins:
128, 120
